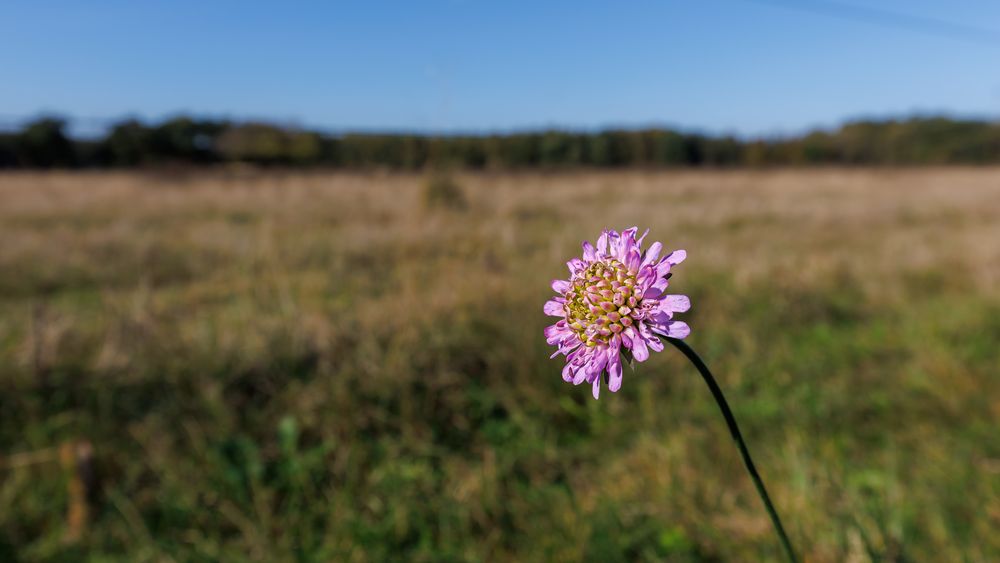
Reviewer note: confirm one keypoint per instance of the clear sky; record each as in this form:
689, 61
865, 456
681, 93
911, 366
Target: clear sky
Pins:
745, 66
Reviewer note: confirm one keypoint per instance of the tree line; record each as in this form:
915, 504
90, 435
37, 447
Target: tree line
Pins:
44, 143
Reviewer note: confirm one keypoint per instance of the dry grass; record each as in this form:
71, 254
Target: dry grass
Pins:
271, 363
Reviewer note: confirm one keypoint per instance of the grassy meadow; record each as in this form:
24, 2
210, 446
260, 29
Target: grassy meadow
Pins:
278, 366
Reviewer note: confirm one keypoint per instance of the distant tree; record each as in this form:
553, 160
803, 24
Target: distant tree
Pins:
129, 144
8, 152
304, 148
413, 152
253, 142
267, 144
42, 144
557, 148
722, 151
184, 139
920, 140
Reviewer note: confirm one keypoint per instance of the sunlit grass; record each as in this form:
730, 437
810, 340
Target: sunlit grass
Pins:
319, 365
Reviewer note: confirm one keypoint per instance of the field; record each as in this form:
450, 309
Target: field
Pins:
280, 366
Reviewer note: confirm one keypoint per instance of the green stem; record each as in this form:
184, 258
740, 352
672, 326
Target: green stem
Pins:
735, 431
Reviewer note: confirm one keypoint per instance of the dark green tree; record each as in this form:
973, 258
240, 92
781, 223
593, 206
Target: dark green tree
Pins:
43, 144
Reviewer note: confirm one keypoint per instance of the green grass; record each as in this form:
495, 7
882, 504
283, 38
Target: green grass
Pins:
306, 384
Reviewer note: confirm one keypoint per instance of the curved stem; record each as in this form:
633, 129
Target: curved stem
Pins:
738, 438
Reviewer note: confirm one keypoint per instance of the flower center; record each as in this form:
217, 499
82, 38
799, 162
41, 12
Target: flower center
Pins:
602, 302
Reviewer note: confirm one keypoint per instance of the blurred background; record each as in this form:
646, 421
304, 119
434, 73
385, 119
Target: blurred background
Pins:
271, 279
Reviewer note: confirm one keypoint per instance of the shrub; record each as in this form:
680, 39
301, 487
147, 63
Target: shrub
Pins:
441, 191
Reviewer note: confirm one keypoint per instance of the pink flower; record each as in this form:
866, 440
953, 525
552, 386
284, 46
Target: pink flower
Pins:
614, 303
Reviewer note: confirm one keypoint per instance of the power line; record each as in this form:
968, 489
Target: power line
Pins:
889, 18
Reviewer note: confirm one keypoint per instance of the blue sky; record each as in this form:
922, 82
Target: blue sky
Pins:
741, 66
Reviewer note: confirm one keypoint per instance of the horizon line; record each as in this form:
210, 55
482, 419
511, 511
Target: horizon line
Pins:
100, 126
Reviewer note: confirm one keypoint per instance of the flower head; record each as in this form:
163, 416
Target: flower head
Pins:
614, 303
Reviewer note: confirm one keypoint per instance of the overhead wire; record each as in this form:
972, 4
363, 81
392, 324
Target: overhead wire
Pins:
890, 18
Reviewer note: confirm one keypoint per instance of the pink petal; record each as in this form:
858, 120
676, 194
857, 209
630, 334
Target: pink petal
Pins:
677, 256
602, 244
656, 290
678, 329
567, 372
597, 364
652, 341
673, 329
675, 303
652, 254
561, 286
639, 350
633, 259
663, 268
557, 332
646, 276
627, 241
627, 336
649, 338
569, 345
615, 373
554, 308
659, 317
